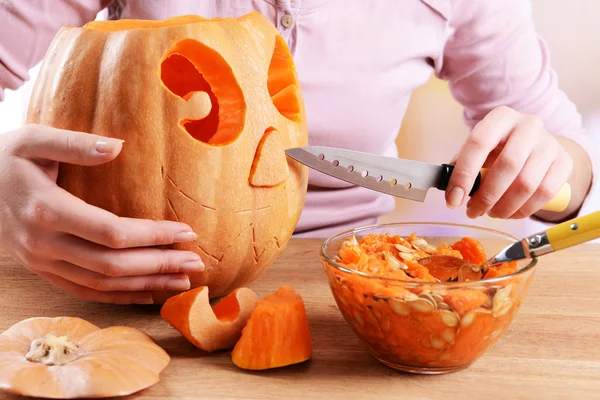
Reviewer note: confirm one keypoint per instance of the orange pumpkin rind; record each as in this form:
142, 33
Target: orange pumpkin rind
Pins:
210, 328
199, 105
68, 357
277, 334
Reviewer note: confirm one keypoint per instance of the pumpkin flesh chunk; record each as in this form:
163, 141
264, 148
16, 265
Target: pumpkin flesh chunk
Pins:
190, 66
276, 335
209, 328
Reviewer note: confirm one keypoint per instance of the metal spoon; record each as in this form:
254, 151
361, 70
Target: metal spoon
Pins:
566, 234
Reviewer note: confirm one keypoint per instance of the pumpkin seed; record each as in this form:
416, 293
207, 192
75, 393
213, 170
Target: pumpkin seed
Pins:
444, 306
393, 262
430, 298
422, 245
430, 249
419, 242
407, 256
403, 249
445, 357
410, 296
449, 318
502, 294
422, 305
437, 343
438, 298
502, 302
449, 336
343, 301
503, 309
399, 307
467, 319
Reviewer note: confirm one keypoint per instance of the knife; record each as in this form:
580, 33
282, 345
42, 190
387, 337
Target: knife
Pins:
398, 177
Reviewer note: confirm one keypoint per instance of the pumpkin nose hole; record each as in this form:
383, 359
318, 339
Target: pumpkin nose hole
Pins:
190, 67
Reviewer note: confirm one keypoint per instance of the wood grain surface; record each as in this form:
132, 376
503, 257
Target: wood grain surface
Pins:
551, 351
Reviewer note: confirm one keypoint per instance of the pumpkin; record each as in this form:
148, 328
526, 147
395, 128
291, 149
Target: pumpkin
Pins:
68, 357
206, 108
210, 329
276, 335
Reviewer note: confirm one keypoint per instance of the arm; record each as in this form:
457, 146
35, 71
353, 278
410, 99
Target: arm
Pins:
28, 27
494, 57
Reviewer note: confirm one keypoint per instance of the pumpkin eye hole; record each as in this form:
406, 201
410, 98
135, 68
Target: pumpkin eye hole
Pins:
282, 82
189, 67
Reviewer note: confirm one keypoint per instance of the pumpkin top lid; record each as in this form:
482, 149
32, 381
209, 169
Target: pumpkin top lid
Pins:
131, 24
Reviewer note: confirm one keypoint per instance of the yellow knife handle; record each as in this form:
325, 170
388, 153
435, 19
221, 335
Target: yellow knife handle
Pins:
574, 231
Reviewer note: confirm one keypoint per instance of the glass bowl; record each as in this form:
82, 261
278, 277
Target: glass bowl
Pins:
427, 327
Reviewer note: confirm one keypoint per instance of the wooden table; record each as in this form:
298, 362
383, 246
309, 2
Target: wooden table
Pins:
551, 351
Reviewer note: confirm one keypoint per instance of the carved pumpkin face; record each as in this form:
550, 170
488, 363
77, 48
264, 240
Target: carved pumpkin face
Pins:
206, 108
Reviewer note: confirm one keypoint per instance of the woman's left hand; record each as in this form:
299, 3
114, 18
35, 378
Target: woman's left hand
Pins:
527, 166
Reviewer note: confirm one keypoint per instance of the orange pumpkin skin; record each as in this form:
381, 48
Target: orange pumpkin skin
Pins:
115, 361
210, 328
276, 335
206, 108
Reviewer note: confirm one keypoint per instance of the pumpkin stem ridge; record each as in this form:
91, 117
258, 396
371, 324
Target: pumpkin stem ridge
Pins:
53, 350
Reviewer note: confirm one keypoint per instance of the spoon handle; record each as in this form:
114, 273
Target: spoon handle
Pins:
569, 233
574, 231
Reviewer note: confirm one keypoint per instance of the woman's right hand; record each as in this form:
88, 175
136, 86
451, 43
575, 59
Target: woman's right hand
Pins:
82, 249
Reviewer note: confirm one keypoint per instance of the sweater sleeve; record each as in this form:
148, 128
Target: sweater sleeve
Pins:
28, 27
493, 56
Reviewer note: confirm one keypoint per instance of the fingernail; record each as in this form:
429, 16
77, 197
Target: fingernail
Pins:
178, 284
192, 266
104, 147
455, 197
184, 237
144, 300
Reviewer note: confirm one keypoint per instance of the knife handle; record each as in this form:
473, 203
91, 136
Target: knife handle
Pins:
557, 204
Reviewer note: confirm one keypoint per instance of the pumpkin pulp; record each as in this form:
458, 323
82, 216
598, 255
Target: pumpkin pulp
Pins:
413, 320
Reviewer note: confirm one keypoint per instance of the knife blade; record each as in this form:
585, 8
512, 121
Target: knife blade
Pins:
408, 179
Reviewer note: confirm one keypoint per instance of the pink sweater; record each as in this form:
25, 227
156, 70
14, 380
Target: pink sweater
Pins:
358, 62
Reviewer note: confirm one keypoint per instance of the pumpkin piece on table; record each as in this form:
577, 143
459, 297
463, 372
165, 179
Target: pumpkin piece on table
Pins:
210, 329
68, 357
206, 107
276, 335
